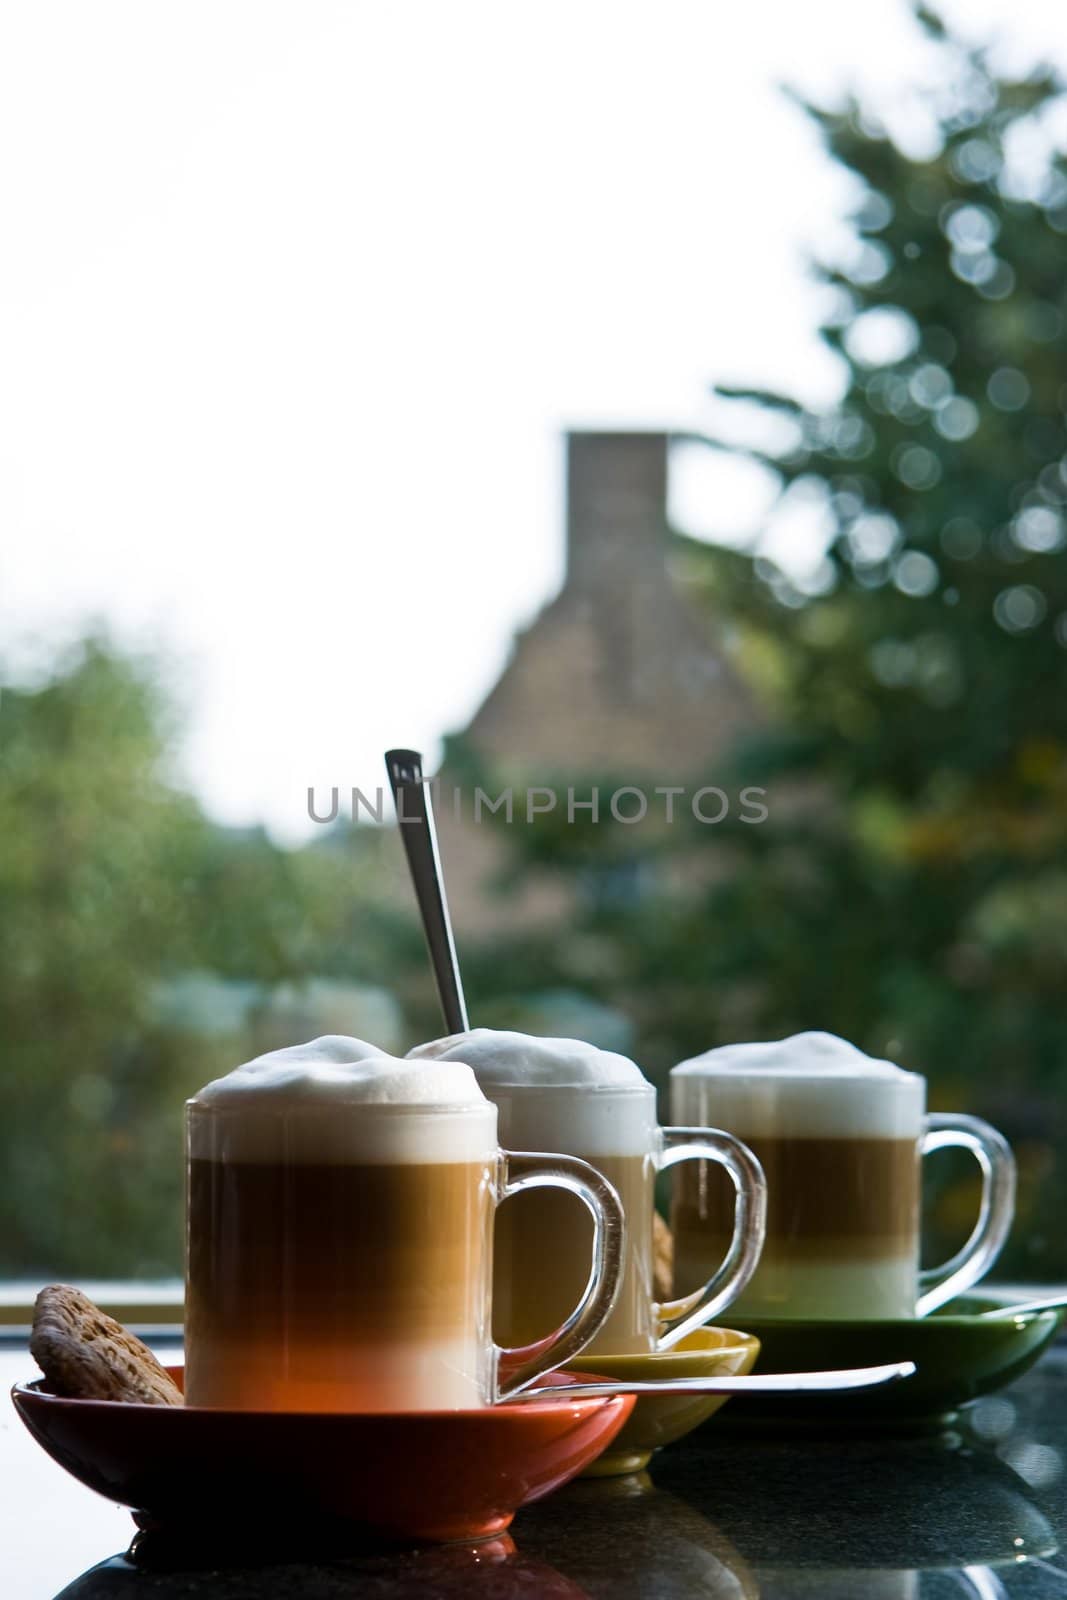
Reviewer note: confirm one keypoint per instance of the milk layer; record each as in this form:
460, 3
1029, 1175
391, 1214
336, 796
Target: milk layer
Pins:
431, 1375
812, 1085
867, 1289
556, 1094
339, 1100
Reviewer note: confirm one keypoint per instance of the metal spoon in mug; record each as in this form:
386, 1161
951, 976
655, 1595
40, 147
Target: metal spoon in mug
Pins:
755, 1383
414, 810
414, 815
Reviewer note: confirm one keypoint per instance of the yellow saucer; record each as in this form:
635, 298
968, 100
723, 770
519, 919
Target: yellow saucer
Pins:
659, 1419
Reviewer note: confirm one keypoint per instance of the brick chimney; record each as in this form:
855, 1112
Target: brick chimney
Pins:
616, 508
617, 677
618, 673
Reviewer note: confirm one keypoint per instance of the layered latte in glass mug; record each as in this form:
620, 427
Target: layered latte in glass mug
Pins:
840, 1137
564, 1094
340, 1214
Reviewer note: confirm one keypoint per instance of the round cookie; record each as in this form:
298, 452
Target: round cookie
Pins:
87, 1355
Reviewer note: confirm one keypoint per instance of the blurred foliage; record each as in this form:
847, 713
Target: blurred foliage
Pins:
115, 884
908, 890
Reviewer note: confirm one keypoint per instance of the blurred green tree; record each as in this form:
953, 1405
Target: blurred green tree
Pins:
908, 890
910, 887
115, 884
92, 849
923, 670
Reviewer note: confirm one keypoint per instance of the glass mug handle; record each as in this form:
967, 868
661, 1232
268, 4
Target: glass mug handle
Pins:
993, 1154
676, 1318
537, 1171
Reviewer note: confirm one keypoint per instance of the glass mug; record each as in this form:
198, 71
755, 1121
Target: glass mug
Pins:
342, 1260
842, 1152
542, 1241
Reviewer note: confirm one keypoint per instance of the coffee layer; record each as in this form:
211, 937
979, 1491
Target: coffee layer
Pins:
326, 1269
543, 1253
827, 1199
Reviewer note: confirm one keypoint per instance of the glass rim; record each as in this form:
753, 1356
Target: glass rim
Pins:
435, 1108
903, 1077
589, 1090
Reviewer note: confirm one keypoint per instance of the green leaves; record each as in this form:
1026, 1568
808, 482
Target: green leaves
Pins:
904, 889
116, 889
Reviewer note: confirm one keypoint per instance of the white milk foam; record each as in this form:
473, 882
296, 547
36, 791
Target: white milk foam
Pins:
339, 1100
556, 1094
811, 1085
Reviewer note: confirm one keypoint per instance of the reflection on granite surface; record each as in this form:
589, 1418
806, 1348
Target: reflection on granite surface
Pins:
977, 1513
491, 1570
621, 1537
629, 1538
931, 1503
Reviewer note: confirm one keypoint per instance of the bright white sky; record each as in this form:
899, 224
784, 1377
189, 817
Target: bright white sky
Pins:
296, 297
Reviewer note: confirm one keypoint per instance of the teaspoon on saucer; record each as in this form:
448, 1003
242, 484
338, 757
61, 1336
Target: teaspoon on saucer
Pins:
1056, 1302
755, 1383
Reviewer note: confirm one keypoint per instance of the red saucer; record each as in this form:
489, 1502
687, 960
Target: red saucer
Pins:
433, 1475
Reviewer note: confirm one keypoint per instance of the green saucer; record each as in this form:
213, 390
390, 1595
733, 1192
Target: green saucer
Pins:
959, 1355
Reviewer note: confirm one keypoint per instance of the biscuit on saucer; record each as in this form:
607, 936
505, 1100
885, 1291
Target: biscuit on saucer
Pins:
87, 1355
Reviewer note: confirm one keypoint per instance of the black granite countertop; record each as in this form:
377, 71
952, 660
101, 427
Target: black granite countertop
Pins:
980, 1511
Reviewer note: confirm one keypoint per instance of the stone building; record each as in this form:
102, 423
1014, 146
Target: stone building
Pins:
617, 675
